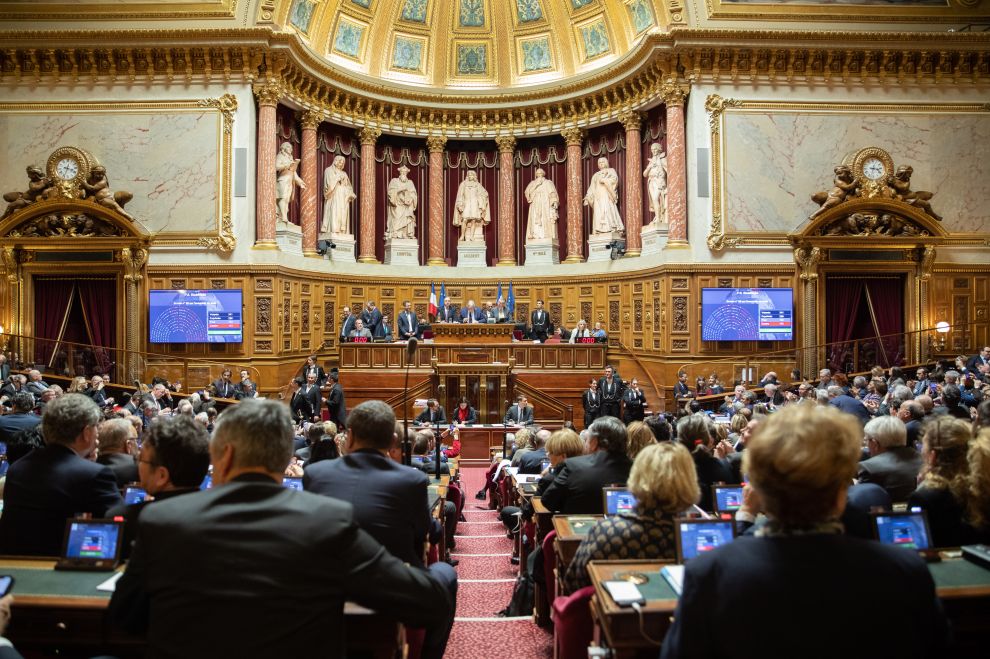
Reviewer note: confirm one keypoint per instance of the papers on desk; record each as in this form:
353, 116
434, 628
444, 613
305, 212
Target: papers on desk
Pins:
110, 584
674, 574
504, 464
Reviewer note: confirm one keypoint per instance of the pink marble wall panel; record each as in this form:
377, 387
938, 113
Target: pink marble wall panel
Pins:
676, 174
307, 209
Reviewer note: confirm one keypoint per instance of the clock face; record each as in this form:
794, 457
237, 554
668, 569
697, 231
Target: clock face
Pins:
67, 169
874, 169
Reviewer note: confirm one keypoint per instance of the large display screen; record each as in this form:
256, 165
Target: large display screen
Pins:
747, 314
200, 316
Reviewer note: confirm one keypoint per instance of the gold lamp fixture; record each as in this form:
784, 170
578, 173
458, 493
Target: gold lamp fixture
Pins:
936, 340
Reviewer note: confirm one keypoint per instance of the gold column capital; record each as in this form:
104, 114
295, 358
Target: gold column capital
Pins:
808, 259
573, 136
369, 135
268, 93
436, 143
631, 120
673, 93
506, 143
310, 119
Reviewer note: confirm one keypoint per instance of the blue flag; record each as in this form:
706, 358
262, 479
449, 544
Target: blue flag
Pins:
499, 298
443, 294
510, 303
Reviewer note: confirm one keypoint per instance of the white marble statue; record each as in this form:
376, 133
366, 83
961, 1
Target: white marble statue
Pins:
656, 184
288, 179
543, 203
471, 210
338, 193
603, 196
402, 199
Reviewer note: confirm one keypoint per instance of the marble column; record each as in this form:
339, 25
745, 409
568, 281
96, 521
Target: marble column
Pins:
264, 207
436, 144
574, 138
506, 201
368, 138
310, 120
674, 96
632, 121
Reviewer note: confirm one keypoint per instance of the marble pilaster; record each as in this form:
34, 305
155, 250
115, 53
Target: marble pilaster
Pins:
632, 121
506, 198
436, 144
310, 120
264, 209
674, 96
368, 138
574, 138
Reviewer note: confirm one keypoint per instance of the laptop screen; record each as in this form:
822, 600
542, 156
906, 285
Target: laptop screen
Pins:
96, 539
728, 498
696, 537
908, 529
134, 495
618, 500
292, 483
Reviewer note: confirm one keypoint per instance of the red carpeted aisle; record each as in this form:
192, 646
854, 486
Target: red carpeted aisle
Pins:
485, 578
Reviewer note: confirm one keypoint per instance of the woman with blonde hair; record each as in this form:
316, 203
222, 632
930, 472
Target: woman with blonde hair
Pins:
944, 487
695, 432
524, 444
664, 482
639, 436
978, 458
78, 385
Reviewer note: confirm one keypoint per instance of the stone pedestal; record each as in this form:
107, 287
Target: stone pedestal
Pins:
343, 247
598, 246
401, 251
543, 252
289, 238
471, 255
654, 238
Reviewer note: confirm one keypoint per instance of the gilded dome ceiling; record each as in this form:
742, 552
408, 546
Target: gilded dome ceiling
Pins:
465, 44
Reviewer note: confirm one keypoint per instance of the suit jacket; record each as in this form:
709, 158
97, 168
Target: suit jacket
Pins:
321, 375
502, 315
472, 415
755, 579
634, 402
36, 388
577, 489
383, 330
390, 500
515, 416
592, 403
11, 424
371, 318
895, 470
244, 389
682, 390
98, 396
921, 387
124, 467
426, 417
43, 489
336, 407
306, 405
428, 463
451, 314
299, 556
466, 315
540, 322
347, 326
224, 389
408, 324
532, 461
853, 406
611, 394
131, 512
974, 362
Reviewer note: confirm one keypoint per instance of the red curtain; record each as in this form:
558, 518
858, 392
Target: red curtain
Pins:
460, 158
288, 131
887, 296
550, 155
842, 301
390, 153
52, 297
654, 131
604, 142
97, 298
848, 318
333, 141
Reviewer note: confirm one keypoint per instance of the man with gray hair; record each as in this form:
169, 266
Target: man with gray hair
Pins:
577, 489
118, 450
56, 482
532, 461
892, 465
837, 397
250, 568
20, 418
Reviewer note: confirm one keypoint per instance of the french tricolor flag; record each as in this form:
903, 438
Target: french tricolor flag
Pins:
433, 299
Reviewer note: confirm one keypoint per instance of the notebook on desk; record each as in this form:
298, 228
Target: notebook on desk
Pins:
91, 544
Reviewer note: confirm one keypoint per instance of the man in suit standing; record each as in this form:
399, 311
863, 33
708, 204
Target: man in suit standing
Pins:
408, 322
300, 406
336, 406
610, 387
56, 482
471, 313
182, 588
540, 326
384, 329
520, 414
224, 388
449, 312
577, 489
433, 415
312, 366
591, 400
682, 389
371, 316
347, 324
311, 392
982, 359
633, 402
892, 465
390, 500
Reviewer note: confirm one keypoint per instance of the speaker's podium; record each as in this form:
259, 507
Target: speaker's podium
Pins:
461, 333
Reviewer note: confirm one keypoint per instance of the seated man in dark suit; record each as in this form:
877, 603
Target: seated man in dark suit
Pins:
838, 398
532, 461
424, 455
390, 500
35, 384
432, 415
800, 463
174, 460
299, 557
223, 387
893, 465
96, 390
118, 446
520, 414
912, 413
51, 484
20, 418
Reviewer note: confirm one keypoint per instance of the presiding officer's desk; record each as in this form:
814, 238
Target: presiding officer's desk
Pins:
60, 610
963, 587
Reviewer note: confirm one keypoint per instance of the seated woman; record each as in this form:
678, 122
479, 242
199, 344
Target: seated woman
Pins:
562, 444
695, 432
979, 485
664, 482
464, 413
638, 437
799, 571
943, 490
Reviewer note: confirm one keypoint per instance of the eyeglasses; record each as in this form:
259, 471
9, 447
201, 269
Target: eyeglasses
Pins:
150, 462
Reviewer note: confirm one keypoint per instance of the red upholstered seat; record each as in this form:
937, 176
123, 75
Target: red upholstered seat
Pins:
549, 562
572, 624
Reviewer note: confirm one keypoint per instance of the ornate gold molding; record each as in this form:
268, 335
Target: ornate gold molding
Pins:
673, 93
436, 143
310, 119
269, 92
573, 136
369, 136
133, 260
225, 240
125, 11
506, 143
227, 105
631, 120
926, 262
808, 258
956, 11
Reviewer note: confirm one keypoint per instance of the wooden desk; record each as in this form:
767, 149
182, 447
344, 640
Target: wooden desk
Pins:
63, 611
472, 333
571, 530
963, 587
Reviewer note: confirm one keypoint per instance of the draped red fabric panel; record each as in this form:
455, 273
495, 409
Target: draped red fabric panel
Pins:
848, 318
332, 141
550, 155
288, 131
51, 306
97, 298
654, 132
607, 142
390, 153
459, 159
887, 296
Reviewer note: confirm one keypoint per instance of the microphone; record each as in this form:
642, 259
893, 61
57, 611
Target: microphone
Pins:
411, 348
406, 444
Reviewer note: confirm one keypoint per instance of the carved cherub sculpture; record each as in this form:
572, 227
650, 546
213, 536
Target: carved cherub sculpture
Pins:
901, 183
98, 188
843, 185
37, 184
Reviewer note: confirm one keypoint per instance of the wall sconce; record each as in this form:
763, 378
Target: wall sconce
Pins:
936, 341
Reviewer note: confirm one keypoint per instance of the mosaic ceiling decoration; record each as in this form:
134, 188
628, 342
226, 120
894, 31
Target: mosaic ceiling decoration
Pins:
472, 43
